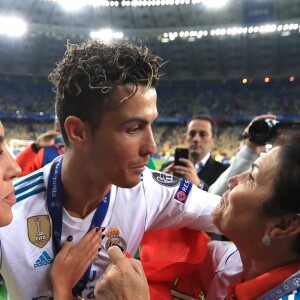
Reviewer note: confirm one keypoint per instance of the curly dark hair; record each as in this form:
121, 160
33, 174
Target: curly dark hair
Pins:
285, 198
88, 74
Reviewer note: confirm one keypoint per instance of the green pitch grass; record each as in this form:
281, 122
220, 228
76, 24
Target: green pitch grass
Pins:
158, 163
3, 293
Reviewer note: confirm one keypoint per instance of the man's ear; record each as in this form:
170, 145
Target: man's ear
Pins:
76, 130
287, 226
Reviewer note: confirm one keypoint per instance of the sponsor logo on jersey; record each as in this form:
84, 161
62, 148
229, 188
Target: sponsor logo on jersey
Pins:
165, 179
183, 190
39, 230
43, 260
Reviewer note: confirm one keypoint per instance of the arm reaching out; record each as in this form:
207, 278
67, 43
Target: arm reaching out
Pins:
123, 279
46, 139
71, 263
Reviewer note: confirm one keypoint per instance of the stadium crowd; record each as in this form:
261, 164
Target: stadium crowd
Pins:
175, 99
25, 101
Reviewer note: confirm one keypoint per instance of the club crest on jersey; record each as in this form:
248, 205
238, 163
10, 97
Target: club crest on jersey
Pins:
183, 190
39, 230
114, 239
165, 179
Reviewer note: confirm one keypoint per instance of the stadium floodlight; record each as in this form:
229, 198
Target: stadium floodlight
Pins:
12, 26
285, 30
106, 35
76, 5
165, 40
285, 27
214, 3
70, 5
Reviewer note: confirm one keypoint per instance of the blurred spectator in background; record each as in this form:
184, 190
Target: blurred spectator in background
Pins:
249, 152
201, 168
46, 147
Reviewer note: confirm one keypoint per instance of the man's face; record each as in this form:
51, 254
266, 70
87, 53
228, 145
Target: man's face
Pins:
199, 139
121, 147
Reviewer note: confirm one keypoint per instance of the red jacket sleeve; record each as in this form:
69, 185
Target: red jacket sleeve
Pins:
171, 259
29, 160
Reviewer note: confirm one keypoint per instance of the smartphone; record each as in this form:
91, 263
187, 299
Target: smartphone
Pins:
181, 153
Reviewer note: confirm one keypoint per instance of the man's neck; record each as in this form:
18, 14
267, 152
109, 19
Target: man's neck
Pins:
196, 159
78, 211
80, 194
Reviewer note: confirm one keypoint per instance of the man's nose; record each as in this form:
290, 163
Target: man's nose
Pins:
149, 146
13, 169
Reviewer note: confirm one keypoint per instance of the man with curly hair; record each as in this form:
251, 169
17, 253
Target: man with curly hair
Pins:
106, 106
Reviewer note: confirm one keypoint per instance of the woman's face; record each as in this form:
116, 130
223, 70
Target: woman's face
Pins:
8, 170
239, 216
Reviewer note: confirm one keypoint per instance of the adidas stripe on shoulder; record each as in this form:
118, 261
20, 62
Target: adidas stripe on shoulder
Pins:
30, 185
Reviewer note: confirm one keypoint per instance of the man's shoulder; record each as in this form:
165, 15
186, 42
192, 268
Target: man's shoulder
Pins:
217, 164
30, 185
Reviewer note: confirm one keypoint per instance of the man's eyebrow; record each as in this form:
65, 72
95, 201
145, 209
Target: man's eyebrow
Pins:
137, 120
254, 165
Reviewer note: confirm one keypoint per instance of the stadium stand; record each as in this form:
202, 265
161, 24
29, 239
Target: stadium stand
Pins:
28, 108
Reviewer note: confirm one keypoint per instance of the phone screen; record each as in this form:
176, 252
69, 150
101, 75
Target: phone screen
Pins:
181, 153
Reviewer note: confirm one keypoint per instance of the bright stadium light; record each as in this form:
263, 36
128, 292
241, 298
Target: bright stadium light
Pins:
76, 5
284, 30
12, 26
106, 35
70, 5
215, 3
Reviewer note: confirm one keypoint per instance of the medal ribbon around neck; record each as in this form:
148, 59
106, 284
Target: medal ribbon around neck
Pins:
55, 208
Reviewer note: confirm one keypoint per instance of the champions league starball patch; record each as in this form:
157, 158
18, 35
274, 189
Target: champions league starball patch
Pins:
165, 179
183, 190
39, 230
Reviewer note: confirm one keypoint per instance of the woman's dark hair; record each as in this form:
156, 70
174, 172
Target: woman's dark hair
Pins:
285, 198
88, 74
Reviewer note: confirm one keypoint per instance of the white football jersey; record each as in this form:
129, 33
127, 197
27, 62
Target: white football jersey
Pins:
159, 200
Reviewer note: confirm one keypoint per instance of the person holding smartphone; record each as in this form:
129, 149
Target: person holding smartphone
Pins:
200, 167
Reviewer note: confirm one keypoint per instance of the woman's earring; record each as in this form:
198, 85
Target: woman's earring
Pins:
266, 240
